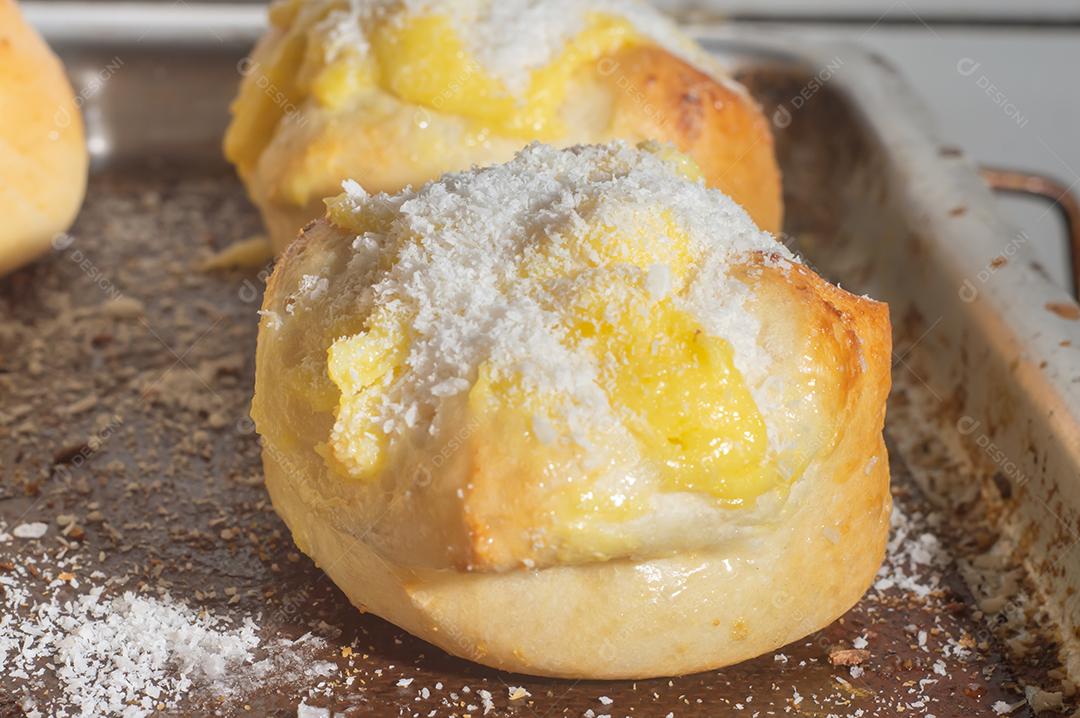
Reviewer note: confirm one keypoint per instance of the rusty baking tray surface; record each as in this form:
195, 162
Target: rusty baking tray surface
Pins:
125, 380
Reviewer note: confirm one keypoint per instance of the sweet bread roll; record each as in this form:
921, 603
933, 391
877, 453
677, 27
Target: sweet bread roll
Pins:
392, 93
575, 415
43, 157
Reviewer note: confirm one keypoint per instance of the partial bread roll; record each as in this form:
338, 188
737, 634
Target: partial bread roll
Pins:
575, 415
393, 93
43, 157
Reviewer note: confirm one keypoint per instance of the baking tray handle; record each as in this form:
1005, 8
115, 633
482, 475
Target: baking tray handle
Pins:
1048, 188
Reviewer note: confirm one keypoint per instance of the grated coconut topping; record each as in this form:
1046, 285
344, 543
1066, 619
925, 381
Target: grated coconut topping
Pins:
128, 654
508, 38
461, 281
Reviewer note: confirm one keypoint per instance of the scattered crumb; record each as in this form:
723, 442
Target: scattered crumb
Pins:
1064, 310
253, 252
848, 656
517, 693
33, 530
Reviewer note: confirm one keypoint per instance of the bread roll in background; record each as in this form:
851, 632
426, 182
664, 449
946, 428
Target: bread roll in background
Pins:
43, 157
395, 94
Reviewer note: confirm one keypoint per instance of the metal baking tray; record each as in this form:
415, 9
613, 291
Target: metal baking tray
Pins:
126, 373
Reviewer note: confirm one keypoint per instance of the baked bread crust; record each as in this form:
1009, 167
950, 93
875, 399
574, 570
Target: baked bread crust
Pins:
659, 96
672, 615
446, 557
42, 150
641, 92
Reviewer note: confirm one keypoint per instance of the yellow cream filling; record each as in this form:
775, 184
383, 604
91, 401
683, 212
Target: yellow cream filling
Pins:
359, 365
674, 388
677, 391
419, 59
425, 62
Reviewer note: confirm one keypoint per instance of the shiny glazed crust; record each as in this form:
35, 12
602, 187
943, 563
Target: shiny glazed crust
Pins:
42, 153
640, 93
786, 572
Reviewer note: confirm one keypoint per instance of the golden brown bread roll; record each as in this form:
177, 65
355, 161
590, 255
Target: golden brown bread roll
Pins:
575, 415
392, 93
43, 157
